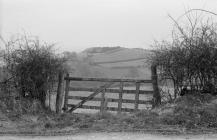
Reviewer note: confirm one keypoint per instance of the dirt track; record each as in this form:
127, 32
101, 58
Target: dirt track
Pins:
112, 136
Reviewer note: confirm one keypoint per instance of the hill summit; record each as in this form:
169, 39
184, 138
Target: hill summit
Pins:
101, 49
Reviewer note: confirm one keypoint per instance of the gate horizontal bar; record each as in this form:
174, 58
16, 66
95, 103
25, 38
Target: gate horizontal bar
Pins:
107, 80
111, 90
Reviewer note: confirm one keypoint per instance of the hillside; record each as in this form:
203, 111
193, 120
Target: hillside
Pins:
112, 62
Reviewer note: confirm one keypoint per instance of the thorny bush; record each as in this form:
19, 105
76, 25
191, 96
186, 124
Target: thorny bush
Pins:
33, 66
190, 59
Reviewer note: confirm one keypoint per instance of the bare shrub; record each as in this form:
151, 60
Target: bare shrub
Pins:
33, 66
190, 59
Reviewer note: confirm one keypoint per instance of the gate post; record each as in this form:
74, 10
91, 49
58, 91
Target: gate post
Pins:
65, 108
59, 97
156, 95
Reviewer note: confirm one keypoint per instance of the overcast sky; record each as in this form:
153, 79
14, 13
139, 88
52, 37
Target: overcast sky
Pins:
78, 24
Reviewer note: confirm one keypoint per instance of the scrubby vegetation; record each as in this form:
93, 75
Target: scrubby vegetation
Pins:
32, 67
190, 58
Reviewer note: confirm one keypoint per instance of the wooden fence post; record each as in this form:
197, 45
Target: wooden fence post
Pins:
120, 97
156, 95
65, 108
59, 97
137, 96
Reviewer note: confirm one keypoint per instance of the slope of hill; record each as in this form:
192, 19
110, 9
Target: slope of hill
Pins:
124, 54
112, 62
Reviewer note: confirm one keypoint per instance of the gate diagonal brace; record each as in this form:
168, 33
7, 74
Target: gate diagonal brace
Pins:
97, 91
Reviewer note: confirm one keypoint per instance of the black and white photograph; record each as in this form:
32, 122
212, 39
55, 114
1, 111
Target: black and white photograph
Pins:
108, 70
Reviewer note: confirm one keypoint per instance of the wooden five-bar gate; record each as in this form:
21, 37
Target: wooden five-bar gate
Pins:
68, 107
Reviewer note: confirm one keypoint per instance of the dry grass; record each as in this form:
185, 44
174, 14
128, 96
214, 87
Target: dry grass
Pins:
187, 113
193, 111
